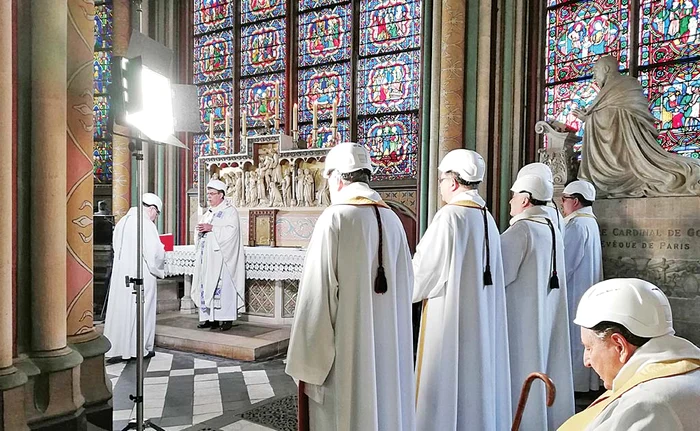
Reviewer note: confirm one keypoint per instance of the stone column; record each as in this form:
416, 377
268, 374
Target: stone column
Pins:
121, 157
80, 182
452, 76
11, 380
56, 390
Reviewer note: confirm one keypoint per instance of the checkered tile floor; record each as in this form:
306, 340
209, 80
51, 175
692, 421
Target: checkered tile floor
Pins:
185, 391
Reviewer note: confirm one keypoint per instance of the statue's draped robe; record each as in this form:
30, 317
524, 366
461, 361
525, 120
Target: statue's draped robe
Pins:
621, 155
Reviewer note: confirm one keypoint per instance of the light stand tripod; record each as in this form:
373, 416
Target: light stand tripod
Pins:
136, 147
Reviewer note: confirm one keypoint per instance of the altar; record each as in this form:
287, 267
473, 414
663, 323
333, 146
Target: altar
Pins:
272, 281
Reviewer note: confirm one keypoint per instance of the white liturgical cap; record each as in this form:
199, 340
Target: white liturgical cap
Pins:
538, 187
584, 188
539, 169
152, 199
469, 165
347, 157
638, 305
217, 185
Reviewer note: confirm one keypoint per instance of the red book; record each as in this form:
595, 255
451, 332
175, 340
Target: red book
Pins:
168, 241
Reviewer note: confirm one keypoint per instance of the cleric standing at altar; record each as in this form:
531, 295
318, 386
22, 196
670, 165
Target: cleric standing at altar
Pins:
218, 284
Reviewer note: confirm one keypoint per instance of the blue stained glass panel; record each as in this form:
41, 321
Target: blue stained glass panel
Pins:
389, 83
324, 85
263, 47
214, 99
324, 135
102, 71
256, 10
213, 57
668, 31
311, 4
581, 32
103, 26
392, 141
674, 96
102, 162
561, 99
389, 25
324, 35
258, 96
211, 15
101, 111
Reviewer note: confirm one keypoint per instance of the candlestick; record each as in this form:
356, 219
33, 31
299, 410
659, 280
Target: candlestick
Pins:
211, 126
226, 131
277, 100
295, 117
244, 123
315, 114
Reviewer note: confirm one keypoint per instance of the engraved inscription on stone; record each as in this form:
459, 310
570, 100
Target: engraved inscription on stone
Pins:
669, 240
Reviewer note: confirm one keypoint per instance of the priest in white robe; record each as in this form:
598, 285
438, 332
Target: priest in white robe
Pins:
218, 283
351, 341
652, 376
543, 171
120, 322
584, 268
462, 365
538, 318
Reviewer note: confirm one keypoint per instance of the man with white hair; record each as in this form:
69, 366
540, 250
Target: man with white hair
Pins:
120, 322
652, 376
218, 283
538, 319
462, 367
584, 267
543, 171
351, 341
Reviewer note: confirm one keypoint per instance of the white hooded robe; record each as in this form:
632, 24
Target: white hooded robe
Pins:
120, 322
538, 318
584, 268
350, 345
218, 284
462, 368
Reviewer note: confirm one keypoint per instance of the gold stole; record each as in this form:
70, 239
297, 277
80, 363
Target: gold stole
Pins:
580, 421
361, 200
467, 204
584, 215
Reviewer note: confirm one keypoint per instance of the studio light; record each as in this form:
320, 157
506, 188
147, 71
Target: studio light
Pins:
155, 118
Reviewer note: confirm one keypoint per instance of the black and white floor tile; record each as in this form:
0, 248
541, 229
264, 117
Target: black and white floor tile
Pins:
185, 391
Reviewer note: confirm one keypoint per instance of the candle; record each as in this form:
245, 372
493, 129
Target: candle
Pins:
243, 122
277, 100
315, 114
226, 125
295, 117
211, 126
335, 112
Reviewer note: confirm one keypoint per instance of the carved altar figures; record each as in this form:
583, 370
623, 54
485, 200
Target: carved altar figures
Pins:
309, 184
287, 189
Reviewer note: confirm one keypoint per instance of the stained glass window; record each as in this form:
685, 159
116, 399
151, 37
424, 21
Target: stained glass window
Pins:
392, 141
579, 33
263, 47
258, 99
674, 95
387, 26
669, 30
324, 135
325, 36
668, 44
389, 83
102, 78
256, 10
211, 15
213, 57
324, 86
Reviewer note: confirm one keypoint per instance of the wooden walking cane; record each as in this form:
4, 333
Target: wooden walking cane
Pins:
302, 408
525, 392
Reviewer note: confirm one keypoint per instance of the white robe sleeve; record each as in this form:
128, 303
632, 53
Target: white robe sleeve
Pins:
153, 250
311, 350
574, 242
514, 245
431, 263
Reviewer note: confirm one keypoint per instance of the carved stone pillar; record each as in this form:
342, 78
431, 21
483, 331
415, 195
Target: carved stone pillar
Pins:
11, 380
452, 76
121, 157
559, 153
55, 391
80, 183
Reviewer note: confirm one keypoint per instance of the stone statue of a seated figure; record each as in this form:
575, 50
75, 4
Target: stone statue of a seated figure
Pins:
620, 153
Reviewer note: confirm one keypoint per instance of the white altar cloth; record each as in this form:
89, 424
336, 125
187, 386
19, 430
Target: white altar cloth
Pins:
261, 263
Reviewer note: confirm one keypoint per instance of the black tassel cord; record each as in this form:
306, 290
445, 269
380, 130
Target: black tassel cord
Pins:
488, 279
380, 285
554, 279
